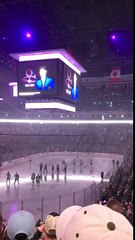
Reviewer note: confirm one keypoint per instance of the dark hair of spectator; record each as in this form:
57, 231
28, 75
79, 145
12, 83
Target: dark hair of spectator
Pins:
52, 236
21, 236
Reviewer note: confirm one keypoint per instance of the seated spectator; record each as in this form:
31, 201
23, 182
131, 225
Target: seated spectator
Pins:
39, 230
50, 226
115, 205
3, 235
118, 207
96, 222
21, 226
39, 223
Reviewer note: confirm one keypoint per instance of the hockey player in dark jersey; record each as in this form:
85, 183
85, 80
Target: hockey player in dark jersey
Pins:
52, 172
8, 177
33, 176
38, 179
16, 176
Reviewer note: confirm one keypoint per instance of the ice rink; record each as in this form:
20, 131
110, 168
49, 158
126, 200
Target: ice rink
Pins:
52, 194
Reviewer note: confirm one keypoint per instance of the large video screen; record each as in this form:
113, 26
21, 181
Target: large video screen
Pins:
71, 84
38, 76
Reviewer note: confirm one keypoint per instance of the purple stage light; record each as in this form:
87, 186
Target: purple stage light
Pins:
113, 37
28, 35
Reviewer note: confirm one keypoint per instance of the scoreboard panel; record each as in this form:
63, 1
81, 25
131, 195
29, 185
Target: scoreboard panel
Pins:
51, 74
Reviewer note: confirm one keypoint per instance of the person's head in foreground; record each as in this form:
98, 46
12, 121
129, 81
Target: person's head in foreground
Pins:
39, 223
94, 222
50, 226
2, 225
21, 226
115, 205
1, 222
64, 219
118, 207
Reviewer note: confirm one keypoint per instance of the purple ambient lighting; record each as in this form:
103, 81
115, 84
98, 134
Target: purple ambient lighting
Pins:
113, 37
28, 35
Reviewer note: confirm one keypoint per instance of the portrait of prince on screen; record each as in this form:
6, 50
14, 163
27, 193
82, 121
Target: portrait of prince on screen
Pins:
44, 82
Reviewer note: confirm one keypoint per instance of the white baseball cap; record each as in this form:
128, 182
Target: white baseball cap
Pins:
97, 222
64, 219
21, 222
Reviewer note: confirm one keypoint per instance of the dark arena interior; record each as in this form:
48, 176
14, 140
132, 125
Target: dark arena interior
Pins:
66, 119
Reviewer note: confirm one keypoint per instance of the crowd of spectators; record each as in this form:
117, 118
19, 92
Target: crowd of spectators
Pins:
74, 222
66, 129
107, 97
120, 188
93, 98
108, 92
23, 140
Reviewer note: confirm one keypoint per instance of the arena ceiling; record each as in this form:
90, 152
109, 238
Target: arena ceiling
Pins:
81, 26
